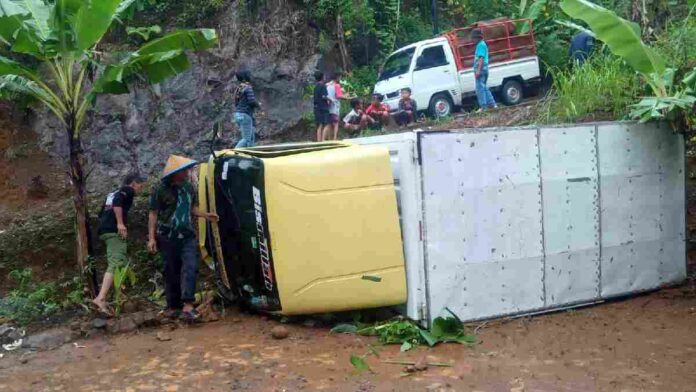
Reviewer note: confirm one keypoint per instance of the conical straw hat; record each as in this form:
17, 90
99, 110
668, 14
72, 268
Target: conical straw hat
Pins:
176, 163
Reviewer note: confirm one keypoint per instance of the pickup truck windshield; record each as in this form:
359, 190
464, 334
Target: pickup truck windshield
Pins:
397, 64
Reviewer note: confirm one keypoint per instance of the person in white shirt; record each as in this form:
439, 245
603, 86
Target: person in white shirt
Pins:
356, 119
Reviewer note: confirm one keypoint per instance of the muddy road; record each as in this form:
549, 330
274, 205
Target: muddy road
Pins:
647, 343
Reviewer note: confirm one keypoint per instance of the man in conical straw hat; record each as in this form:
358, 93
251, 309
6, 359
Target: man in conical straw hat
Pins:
173, 204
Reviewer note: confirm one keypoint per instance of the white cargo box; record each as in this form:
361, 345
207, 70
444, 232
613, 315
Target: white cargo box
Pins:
511, 221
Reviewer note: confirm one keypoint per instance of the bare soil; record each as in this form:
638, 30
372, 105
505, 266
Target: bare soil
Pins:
21, 161
645, 343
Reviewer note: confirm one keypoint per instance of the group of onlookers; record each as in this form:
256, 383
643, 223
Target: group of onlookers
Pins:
327, 97
328, 94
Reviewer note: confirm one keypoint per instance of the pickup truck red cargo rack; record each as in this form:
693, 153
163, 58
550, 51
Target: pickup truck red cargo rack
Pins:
507, 39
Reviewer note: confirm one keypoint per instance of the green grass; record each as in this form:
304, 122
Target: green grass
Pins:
602, 88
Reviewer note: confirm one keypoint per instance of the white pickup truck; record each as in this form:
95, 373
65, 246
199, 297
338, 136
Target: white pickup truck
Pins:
439, 71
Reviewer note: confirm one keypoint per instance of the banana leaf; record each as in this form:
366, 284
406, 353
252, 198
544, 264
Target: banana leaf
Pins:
92, 21
621, 36
532, 13
575, 26
12, 17
156, 61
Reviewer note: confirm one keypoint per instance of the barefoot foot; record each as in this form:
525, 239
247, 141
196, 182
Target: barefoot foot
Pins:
102, 307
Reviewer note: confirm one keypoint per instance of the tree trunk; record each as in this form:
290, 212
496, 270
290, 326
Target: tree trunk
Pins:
78, 182
340, 35
639, 16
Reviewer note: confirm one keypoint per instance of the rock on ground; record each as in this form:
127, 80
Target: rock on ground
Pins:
280, 332
163, 336
99, 323
130, 307
49, 339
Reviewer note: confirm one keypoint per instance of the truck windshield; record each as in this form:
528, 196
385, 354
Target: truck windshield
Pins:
397, 64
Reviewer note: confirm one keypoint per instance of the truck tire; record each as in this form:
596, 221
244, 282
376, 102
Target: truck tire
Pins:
440, 105
511, 92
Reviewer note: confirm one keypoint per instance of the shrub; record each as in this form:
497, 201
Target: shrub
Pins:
360, 81
602, 87
31, 300
677, 45
412, 28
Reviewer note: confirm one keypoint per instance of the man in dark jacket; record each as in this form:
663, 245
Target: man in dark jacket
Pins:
245, 104
581, 46
113, 220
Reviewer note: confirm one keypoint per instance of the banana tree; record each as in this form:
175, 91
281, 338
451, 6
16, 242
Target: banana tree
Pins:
671, 101
58, 43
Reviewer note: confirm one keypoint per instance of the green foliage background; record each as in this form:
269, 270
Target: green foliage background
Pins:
374, 28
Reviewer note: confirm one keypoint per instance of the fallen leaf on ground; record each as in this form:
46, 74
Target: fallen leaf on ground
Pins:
359, 363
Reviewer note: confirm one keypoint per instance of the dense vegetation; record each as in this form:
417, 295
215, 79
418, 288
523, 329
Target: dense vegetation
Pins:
361, 33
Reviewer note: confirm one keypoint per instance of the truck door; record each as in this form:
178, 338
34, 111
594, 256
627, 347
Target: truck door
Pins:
434, 72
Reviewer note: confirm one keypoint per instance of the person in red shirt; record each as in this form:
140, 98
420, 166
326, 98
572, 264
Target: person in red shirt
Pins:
377, 111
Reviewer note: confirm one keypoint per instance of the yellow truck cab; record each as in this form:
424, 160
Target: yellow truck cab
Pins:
304, 228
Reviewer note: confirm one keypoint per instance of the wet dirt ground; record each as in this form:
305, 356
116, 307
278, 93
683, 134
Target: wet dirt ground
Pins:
647, 343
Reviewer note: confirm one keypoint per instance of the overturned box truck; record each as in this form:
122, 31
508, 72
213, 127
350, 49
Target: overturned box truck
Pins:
486, 223
439, 71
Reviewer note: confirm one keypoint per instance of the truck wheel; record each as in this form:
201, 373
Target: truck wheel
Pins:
511, 92
440, 105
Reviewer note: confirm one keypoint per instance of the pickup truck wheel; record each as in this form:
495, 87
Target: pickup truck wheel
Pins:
511, 92
440, 105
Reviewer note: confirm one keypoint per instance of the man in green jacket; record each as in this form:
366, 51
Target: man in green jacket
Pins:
173, 204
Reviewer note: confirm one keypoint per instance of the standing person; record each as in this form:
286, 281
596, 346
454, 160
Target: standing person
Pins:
378, 112
483, 93
173, 202
245, 104
407, 108
113, 221
321, 105
356, 119
580, 47
335, 95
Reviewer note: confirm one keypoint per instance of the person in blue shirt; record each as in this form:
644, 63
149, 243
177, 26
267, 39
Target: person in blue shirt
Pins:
483, 93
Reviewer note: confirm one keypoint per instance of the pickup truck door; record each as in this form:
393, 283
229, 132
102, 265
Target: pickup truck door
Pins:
435, 71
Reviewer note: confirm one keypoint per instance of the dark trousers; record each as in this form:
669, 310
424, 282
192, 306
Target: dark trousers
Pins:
180, 258
402, 118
